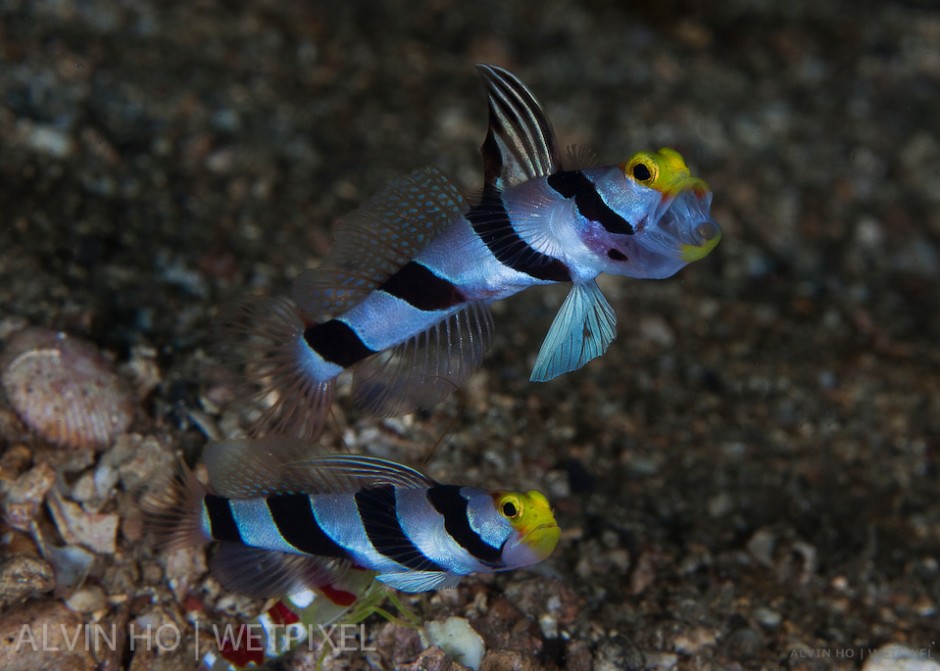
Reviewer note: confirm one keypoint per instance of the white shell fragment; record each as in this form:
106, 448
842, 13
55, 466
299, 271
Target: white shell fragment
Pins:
458, 639
95, 531
64, 389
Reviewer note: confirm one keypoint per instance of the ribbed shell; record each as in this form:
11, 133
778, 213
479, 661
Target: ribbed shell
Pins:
64, 389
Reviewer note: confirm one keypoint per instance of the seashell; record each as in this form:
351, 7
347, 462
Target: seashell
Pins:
64, 389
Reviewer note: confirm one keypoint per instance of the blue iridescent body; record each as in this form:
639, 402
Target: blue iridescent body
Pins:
288, 519
403, 298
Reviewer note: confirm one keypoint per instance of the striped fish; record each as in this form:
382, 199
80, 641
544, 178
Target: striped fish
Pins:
286, 521
403, 297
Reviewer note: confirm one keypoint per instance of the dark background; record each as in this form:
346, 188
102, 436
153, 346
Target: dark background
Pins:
747, 479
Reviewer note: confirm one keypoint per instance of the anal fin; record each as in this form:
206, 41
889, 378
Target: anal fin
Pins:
582, 330
422, 370
264, 573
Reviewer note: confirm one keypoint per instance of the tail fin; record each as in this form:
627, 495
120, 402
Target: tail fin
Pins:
266, 338
173, 511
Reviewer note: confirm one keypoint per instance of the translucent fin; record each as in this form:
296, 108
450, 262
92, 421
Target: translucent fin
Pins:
583, 329
520, 144
374, 241
419, 581
266, 573
265, 337
425, 368
580, 157
173, 510
278, 465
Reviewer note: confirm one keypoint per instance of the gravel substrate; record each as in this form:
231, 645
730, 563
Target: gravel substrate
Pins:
748, 479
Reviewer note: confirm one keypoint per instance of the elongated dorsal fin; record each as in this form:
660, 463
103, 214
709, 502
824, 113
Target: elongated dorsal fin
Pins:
241, 469
378, 238
520, 143
583, 329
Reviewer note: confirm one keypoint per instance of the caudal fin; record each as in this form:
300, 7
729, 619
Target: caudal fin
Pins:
173, 510
265, 339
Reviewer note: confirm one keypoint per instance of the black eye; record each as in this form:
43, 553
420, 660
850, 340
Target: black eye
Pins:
641, 173
509, 510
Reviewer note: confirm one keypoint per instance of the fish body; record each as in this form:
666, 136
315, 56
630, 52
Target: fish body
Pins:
403, 299
285, 521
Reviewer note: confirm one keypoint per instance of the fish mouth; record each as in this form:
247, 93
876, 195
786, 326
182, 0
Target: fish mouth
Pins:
542, 539
686, 225
709, 236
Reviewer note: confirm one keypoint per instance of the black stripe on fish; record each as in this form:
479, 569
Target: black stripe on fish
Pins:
574, 184
221, 519
491, 223
337, 343
448, 501
293, 515
379, 514
417, 285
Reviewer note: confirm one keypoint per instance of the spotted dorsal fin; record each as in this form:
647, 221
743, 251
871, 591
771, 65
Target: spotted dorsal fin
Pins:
520, 144
372, 242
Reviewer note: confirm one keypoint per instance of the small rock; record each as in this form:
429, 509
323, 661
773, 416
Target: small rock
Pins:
29, 634
399, 644
89, 599
25, 496
432, 659
96, 531
71, 565
22, 577
767, 617
619, 653
695, 641
510, 660
661, 661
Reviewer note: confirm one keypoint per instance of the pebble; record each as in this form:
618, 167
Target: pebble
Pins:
64, 389
25, 496
95, 531
432, 659
22, 577
510, 660
619, 653
30, 633
89, 599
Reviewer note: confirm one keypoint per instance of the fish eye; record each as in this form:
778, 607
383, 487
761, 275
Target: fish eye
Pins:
510, 507
641, 173
643, 168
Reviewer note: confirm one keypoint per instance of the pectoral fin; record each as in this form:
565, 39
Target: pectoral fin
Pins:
582, 330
